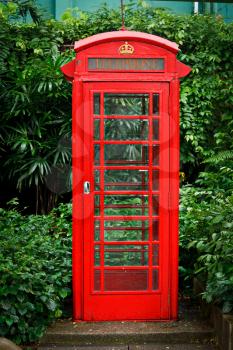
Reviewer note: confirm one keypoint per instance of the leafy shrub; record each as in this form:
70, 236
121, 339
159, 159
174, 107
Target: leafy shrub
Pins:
206, 224
35, 270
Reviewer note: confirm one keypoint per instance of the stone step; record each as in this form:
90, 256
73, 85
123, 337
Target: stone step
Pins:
134, 347
67, 333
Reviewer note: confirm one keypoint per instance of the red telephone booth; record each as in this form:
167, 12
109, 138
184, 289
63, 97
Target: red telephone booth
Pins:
125, 176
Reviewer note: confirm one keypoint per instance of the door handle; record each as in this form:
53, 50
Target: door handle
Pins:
86, 187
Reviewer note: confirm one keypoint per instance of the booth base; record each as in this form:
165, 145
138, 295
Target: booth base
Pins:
190, 332
68, 334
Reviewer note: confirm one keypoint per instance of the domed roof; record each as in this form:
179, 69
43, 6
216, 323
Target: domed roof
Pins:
125, 35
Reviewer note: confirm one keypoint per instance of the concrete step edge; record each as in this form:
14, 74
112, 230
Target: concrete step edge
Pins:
188, 337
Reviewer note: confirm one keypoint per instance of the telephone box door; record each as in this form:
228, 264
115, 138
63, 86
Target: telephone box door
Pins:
126, 194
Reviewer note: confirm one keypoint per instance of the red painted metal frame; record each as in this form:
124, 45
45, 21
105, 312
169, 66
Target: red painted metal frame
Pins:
77, 181
107, 45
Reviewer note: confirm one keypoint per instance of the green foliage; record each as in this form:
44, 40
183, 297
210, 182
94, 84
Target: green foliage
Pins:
206, 222
28, 7
206, 219
20, 10
35, 106
220, 157
35, 270
40, 136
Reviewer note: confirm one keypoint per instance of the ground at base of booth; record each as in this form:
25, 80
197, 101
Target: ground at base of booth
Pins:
179, 335
190, 332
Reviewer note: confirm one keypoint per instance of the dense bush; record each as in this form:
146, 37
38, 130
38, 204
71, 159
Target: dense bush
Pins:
35, 270
206, 224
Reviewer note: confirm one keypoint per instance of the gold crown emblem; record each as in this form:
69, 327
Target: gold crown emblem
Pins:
126, 49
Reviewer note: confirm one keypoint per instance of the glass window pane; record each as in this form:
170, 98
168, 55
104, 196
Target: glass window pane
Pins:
97, 154
131, 230
155, 205
155, 104
126, 180
96, 129
155, 129
97, 205
97, 103
97, 230
126, 129
155, 230
126, 255
155, 280
155, 255
126, 104
97, 180
132, 154
97, 255
155, 155
97, 280
126, 280
155, 184
126, 205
